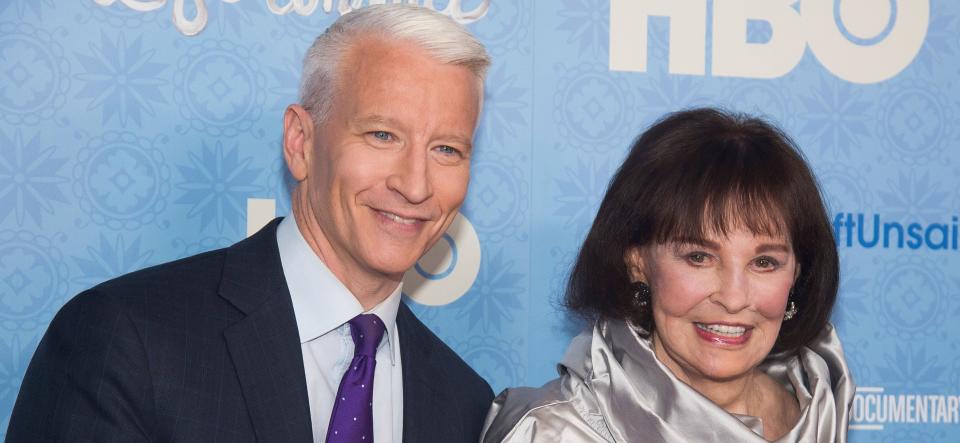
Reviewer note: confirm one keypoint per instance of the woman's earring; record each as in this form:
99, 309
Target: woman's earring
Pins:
791, 311
641, 294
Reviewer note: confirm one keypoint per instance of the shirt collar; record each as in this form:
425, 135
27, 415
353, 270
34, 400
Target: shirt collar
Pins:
321, 303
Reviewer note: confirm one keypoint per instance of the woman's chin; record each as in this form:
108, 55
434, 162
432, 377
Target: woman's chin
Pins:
727, 373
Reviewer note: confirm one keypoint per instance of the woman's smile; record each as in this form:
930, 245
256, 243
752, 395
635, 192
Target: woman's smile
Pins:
722, 334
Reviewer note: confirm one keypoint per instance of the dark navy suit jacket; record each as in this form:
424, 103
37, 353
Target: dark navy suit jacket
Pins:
205, 349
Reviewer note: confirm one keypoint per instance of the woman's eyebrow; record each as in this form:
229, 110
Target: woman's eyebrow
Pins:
777, 247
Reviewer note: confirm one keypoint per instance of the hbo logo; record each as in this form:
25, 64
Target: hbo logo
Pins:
892, 32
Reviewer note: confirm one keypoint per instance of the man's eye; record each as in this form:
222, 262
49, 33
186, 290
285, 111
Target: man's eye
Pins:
448, 150
382, 135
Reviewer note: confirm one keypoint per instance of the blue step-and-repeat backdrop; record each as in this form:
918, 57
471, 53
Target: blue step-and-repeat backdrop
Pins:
134, 132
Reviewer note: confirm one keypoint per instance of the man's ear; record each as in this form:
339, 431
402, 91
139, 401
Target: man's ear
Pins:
633, 258
298, 140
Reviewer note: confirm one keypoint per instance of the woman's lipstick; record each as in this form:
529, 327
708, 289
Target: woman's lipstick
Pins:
723, 334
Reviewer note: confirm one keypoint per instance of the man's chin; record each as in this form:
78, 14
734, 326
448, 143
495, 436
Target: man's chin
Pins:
392, 256
393, 268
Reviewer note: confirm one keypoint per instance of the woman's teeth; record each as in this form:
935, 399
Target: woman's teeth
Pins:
724, 330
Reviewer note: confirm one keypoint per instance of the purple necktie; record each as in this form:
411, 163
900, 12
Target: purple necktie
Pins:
352, 418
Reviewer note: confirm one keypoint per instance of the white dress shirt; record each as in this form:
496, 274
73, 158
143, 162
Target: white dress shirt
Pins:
323, 306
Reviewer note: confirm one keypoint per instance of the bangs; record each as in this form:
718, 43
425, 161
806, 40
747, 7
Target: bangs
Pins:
721, 215
731, 185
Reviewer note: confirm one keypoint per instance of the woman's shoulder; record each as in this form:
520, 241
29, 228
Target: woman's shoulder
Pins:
517, 408
552, 412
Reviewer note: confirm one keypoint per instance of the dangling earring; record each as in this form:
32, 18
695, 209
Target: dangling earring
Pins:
791, 307
641, 294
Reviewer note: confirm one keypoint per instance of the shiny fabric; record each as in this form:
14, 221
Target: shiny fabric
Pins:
613, 389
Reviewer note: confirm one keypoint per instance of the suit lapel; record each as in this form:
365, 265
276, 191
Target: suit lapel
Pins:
424, 417
265, 345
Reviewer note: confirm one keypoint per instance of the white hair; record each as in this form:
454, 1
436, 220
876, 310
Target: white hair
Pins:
440, 36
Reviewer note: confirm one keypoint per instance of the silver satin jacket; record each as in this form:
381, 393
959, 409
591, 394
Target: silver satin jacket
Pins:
613, 389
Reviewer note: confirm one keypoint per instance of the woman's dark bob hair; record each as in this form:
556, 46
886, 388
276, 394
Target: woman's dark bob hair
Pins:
701, 172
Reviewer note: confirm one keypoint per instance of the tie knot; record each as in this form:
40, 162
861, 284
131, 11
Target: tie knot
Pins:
367, 330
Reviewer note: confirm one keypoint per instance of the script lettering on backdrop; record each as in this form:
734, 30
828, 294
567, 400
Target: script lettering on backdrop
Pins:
194, 26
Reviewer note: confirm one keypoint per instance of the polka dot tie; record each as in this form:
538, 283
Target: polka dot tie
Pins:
352, 418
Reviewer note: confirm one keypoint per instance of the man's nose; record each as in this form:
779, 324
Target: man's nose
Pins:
411, 176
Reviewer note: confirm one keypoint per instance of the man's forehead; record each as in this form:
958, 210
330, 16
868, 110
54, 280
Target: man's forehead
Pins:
374, 50
401, 71
397, 84
379, 54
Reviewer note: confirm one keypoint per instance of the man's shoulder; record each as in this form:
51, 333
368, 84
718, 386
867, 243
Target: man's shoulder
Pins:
196, 274
146, 292
132, 346
185, 275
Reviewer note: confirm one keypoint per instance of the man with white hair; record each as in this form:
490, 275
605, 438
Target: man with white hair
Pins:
297, 333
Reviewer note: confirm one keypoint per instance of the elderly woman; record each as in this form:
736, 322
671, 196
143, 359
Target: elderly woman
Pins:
710, 273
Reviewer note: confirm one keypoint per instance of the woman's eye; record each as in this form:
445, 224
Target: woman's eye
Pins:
766, 263
697, 257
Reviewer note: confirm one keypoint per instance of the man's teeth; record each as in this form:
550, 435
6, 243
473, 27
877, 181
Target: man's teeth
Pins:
399, 219
724, 330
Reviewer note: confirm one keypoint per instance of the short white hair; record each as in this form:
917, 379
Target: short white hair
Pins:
440, 36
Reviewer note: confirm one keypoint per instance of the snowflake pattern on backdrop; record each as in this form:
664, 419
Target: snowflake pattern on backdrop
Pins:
835, 117
30, 180
940, 46
121, 80
495, 297
911, 368
505, 109
286, 80
216, 184
586, 24
914, 194
579, 191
